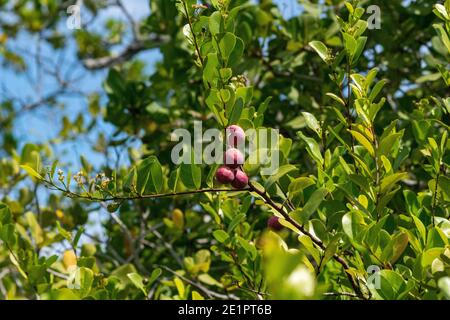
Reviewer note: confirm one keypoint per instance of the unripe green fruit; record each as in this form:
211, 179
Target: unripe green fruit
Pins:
233, 158
224, 175
240, 179
113, 207
88, 250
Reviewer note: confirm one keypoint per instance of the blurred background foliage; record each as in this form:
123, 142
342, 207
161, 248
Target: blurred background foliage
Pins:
115, 89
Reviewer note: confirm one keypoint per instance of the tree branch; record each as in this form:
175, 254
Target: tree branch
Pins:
71, 194
205, 290
129, 52
314, 239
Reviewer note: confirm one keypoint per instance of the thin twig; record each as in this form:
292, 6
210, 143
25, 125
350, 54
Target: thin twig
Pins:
194, 37
205, 290
337, 294
71, 194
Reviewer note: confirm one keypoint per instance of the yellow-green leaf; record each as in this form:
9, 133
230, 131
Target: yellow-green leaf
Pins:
32, 172
364, 141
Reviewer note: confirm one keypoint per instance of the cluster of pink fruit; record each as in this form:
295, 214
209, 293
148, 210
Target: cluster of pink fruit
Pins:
231, 171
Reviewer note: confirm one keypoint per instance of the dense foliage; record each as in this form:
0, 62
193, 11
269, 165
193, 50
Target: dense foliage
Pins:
361, 195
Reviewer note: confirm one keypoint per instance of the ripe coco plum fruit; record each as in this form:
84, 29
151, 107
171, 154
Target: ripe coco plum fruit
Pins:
233, 158
240, 179
224, 175
235, 135
274, 223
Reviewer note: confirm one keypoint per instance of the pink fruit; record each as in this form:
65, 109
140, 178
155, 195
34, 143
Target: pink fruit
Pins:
224, 175
274, 223
240, 179
233, 158
235, 135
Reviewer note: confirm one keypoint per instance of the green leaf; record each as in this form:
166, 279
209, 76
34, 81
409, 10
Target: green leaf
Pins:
420, 129
412, 202
312, 204
137, 280
197, 296
5, 214
78, 236
442, 35
280, 172
66, 234
202, 260
129, 182
245, 93
236, 220
226, 45
297, 186
63, 294
310, 247
441, 12
373, 232
207, 279
436, 238
185, 7
388, 142
364, 141
321, 49
237, 52
392, 286
32, 172
114, 84
445, 74
395, 248
35, 228
360, 181
216, 23
8, 234
215, 105
149, 176
361, 43
312, 122
336, 98
220, 236
191, 175
53, 168
312, 147
444, 184
85, 280
250, 248
225, 95
331, 249
388, 182
122, 271
444, 285
226, 74
350, 44
217, 4
155, 275
429, 77
353, 224
420, 228
180, 287
236, 112
210, 71
350, 8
